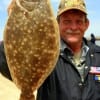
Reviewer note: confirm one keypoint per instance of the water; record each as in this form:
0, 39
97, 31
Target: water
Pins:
98, 43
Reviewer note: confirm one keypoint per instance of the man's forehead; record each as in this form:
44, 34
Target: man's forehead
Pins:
73, 11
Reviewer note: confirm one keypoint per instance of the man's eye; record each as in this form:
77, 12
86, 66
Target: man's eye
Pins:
80, 22
66, 21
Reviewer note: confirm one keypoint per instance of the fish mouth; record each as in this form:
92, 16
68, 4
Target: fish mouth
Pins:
28, 5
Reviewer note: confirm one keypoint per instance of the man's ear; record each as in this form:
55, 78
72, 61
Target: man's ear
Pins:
87, 24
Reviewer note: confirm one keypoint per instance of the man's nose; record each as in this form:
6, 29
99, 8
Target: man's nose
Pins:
74, 26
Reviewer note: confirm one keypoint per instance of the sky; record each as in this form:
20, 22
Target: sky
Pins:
92, 9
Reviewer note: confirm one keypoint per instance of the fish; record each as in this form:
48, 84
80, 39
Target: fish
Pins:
31, 43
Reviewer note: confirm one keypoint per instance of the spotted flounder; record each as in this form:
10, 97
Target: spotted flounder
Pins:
31, 42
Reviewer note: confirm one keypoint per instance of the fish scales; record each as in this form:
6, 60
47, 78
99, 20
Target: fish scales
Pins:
31, 42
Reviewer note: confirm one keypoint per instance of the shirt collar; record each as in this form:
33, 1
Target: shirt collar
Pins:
63, 46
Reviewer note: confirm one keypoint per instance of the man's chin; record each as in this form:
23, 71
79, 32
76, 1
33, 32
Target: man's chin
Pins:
73, 40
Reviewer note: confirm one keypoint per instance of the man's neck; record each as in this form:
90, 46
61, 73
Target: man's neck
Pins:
75, 47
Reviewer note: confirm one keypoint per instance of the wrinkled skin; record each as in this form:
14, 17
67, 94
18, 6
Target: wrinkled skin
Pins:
31, 42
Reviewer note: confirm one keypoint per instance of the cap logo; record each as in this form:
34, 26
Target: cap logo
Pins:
72, 3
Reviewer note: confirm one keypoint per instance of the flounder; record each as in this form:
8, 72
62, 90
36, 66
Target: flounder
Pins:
31, 42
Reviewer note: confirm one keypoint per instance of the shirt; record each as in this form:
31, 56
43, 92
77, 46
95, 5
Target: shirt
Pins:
78, 59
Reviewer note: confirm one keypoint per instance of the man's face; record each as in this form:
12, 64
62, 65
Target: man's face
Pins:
72, 25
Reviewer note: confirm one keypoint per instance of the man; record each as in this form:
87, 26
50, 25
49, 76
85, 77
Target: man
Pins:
76, 75
93, 39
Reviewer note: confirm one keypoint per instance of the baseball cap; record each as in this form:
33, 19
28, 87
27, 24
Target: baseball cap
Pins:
66, 5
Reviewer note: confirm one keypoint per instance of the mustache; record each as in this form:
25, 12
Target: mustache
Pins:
69, 31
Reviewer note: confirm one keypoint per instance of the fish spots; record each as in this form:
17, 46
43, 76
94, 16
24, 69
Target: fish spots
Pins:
31, 41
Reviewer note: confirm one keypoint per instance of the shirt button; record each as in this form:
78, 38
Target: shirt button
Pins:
86, 67
92, 55
80, 84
